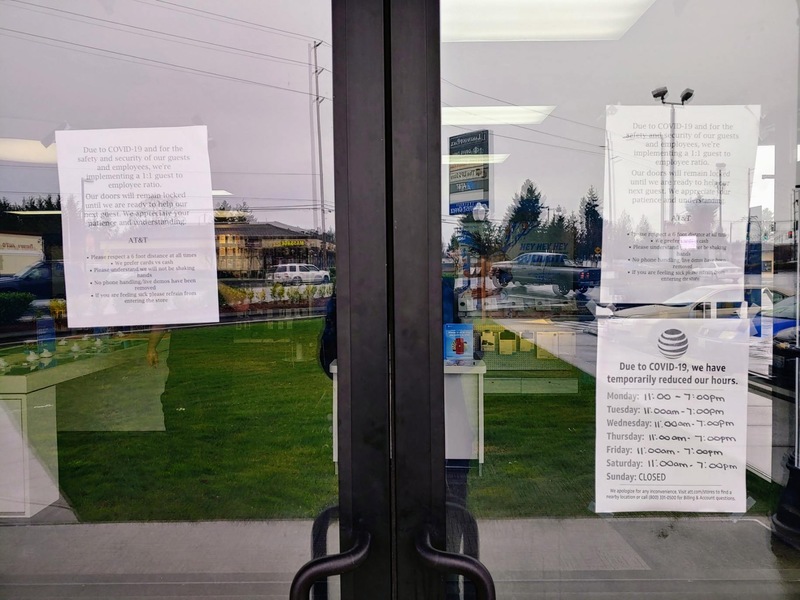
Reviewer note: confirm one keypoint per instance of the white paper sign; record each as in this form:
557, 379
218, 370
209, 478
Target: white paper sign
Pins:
671, 415
676, 199
138, 226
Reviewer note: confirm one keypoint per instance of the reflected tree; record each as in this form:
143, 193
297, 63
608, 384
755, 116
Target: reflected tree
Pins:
591, 222
241, 213
46, 224
643, 228
481, 238
523, 216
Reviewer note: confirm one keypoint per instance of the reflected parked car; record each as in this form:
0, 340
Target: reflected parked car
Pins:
297, 274
546, 268
784, 356
721, 270
43, 279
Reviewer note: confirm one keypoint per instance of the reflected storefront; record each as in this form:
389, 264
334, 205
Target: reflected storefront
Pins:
621, 275
543, 344
247, 250
162, 408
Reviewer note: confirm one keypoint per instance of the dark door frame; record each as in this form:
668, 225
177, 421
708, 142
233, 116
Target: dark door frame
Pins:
387, 153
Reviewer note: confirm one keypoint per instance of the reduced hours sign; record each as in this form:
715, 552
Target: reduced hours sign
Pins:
671, 415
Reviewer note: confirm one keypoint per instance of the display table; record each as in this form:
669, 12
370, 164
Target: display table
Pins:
463, 411
28, 437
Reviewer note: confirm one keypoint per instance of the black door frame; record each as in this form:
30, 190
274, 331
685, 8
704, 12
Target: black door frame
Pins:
387, 153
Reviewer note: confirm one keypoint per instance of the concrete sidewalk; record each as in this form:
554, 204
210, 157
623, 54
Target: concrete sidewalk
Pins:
529, 558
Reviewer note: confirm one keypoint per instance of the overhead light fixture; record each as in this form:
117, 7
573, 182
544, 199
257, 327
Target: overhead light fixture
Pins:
221, 193
495, 115
473, 159
662, 93
34, 212
479, 212
539, 20
27, 151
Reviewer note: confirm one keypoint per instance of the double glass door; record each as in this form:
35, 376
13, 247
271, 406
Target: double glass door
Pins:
450, 296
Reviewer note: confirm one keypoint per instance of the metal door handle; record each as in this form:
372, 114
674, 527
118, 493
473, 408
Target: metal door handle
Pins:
449, 562
319, 547
327, 566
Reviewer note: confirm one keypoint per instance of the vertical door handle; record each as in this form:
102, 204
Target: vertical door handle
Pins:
327, 566
319, 547
450, 562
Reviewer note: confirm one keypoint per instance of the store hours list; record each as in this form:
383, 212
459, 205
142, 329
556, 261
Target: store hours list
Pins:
671, 415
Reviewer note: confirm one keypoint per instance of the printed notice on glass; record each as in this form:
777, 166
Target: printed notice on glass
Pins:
671, 415
138, 226
677, 185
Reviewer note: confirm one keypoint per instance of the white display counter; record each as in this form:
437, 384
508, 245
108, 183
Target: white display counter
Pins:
463, 411
28, 436
28, 452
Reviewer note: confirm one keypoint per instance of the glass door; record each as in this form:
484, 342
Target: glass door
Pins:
549, 328
205, 369
169, 264
619, 225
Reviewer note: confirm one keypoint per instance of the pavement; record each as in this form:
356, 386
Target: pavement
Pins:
594, 558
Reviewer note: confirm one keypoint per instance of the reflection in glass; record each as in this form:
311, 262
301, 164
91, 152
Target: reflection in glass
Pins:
618, 223
150, 369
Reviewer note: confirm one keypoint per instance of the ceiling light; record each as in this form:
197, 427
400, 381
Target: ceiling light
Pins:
472, 159
34, 212
495, 115
221, 193
539, 20
29, 151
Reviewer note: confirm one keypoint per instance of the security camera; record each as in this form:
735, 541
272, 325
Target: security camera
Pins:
660, 93
686, 95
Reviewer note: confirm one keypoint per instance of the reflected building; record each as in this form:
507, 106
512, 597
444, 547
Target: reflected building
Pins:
248, 249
